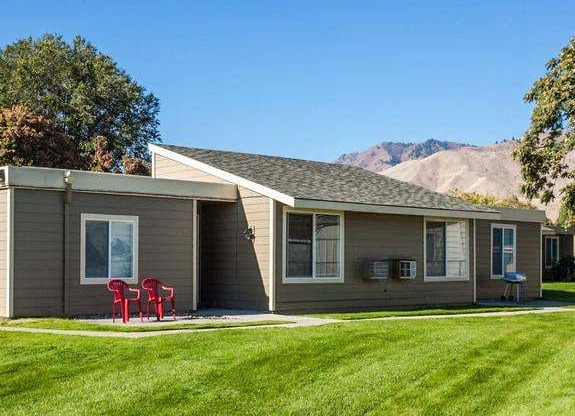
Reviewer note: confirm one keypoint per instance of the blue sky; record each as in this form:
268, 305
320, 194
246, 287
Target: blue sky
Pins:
314, 79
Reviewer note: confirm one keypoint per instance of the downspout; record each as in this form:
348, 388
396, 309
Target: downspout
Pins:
474, 261
66, 265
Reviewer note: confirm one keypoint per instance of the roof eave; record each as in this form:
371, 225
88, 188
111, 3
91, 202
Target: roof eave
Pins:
391, 209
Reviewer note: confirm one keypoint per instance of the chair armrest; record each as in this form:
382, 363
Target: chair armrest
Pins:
169, 289
138, 291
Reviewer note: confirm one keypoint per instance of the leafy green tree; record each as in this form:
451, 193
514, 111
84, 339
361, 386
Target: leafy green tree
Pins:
565, 217
491, 200
550, 137
84, 93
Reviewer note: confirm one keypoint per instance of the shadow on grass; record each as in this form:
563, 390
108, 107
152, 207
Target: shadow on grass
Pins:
559, 295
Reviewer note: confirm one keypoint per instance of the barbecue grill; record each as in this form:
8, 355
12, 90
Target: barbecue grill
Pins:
514, 279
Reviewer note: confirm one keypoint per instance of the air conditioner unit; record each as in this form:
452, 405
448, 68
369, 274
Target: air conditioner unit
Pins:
378, 270
405, 269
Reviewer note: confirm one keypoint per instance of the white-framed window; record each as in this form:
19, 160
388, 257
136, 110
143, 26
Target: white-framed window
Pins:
313, 247
109, 248
503, 249
551, 251
446, 248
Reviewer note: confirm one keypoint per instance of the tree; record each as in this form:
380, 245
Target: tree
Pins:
491, 200
84, 92
565, 217
550, 137
30, 140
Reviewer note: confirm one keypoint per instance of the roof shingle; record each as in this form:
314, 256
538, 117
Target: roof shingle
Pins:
310, 180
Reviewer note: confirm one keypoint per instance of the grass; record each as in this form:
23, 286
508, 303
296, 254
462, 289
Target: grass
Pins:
419, 312
515, 365
69, 324
561, 291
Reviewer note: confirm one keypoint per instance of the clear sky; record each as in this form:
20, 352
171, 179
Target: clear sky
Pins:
314, 79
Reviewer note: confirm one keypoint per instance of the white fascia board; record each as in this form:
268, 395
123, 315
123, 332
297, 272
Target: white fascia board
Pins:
47, 178
388, 209
227, 176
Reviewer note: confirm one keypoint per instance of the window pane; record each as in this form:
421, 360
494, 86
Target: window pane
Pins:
508, 238
497, 252
299, 245
508, 260
96, 249
456, 249
327, 242
122, 249
548, 253
435, 248
551, 251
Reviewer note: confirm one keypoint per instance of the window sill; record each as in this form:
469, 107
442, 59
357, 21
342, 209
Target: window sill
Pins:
446, 279
291, 280
104, 281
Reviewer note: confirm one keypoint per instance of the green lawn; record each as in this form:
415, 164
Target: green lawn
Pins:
69, 324
520, 365
561, 291
419, 312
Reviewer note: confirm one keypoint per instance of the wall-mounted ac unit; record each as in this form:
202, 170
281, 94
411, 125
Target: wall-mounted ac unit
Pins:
378, 270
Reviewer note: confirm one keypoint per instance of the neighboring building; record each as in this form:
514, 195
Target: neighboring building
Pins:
235, 230
557, 243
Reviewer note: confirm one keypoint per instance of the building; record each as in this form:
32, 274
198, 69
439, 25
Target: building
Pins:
237, 230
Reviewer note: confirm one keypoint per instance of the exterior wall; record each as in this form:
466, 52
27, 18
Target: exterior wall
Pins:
372, 237
234, 273
3, 253
528, 259
169, 169
165, 249
565, 249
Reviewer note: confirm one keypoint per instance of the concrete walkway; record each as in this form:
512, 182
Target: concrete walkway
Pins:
295, 322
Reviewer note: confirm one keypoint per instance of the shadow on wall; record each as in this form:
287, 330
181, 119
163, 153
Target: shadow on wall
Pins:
230, 276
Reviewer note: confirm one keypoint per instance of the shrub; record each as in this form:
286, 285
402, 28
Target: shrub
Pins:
564, 270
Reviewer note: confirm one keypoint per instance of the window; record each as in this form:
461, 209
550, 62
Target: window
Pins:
109, 245
446, 250
502, 249
313, 247
551, 251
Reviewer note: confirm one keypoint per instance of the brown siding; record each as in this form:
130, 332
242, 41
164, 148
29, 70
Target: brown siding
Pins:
235, 272
3, 252
169, 169
528, 259
165, 249
371, 237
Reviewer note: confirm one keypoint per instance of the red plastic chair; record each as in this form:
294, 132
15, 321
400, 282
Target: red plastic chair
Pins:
119, 288
153, 286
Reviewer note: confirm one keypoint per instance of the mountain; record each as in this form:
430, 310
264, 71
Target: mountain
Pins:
386, 154
487, 170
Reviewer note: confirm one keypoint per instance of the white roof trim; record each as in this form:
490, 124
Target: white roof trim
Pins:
388, 209
252, 186
48, 178
517, 214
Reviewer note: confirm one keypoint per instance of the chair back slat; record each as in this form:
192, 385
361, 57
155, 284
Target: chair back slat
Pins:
118, 287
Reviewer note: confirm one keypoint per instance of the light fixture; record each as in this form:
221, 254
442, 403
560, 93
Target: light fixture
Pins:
249, 234
68, 178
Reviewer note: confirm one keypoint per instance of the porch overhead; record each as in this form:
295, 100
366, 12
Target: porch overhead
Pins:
97, 182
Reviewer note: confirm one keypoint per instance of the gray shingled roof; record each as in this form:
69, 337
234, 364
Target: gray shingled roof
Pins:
304, 179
